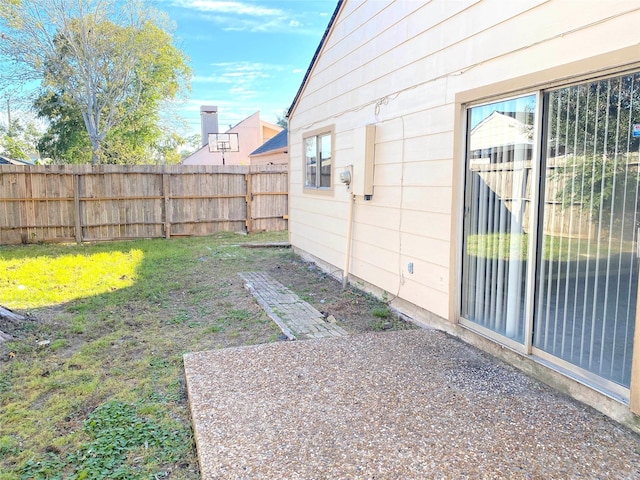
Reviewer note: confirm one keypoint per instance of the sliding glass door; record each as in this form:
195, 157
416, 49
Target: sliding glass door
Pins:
550, 233
588, 279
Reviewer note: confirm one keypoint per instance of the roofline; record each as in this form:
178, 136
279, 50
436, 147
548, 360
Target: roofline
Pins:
272, 126
270, 152
315, 56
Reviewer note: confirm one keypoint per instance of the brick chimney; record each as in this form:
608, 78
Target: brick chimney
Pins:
208, 122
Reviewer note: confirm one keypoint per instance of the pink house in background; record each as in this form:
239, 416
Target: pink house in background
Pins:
252, 133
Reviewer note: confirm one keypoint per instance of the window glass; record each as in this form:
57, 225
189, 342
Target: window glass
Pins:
588, 277
500, 142
325, 162
585, 219
318, 161
310, 161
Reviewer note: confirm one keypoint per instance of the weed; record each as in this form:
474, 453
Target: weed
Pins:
8, 445
214, 328
5, 382
180, 318
381, 311
111, 348
58, 344
78, 324
114, 431
241, 315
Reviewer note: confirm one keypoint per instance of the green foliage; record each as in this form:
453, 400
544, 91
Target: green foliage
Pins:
606, 188
381, 311
18, 140
593, 155
113, 347
105, 69
115, 430
282, 121
66, 139
49, 467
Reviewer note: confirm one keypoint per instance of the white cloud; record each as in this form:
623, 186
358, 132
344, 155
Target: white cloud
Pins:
210, 79
238, 8
250, 16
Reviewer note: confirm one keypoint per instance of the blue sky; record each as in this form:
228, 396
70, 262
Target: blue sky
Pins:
246, 55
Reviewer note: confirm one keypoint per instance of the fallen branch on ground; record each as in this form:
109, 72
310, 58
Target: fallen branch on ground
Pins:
10, 315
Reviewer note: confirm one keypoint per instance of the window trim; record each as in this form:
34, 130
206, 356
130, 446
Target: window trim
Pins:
317, 133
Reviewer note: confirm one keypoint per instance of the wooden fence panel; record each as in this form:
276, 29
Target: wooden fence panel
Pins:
117, 204
269, 202
108, 202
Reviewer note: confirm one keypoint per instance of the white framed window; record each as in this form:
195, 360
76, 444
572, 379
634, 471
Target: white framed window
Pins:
318, 153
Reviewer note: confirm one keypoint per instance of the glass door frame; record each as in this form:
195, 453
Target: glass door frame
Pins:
538, 168
530, 274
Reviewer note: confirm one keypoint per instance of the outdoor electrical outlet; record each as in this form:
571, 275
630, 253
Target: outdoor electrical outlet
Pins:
410, 267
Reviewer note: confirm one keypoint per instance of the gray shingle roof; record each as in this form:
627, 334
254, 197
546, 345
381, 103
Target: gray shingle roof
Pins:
275, 143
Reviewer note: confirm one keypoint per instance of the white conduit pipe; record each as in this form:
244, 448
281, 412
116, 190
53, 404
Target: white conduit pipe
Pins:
347, 250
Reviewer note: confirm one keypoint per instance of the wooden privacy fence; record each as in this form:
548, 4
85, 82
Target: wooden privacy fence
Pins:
62, 203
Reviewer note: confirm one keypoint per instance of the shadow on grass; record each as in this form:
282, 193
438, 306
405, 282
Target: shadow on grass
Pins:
121, 350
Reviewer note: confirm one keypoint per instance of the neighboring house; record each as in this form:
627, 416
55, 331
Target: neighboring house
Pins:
252, 132
456, 122
273, 152
11, 161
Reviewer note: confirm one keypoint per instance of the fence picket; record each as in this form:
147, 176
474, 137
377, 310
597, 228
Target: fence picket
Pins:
66, 203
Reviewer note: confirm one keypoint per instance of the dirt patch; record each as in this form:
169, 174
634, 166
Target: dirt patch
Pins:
354, 310
208, 296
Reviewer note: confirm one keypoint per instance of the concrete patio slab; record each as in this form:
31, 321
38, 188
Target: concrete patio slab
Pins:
399, 405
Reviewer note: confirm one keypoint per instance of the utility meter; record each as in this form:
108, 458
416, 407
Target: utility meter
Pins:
345, 177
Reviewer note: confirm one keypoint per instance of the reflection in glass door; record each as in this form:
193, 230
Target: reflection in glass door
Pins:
497, 211
587, 277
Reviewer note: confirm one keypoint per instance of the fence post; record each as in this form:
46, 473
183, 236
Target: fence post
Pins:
166, 192
248, 199
76, 203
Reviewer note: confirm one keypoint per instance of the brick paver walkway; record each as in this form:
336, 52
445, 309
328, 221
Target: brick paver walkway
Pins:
296, 318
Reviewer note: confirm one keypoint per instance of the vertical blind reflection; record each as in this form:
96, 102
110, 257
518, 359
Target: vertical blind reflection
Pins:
586, 296
497, 209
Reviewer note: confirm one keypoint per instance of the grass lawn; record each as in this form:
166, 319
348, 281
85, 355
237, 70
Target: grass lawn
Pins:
93, 384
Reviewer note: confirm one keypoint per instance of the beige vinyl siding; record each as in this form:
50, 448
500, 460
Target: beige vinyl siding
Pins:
412, 59
454, 43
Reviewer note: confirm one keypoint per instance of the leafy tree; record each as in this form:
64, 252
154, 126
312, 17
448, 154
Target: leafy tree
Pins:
111, 61
282, 120
593, 153
18, 139
66, 139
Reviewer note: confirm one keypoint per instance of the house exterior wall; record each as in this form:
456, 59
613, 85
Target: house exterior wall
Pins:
410, 68
252, 132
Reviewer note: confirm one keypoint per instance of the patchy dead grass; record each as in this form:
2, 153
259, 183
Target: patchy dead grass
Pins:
103, 349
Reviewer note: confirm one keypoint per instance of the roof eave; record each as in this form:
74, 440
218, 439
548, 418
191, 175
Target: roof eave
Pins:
270, 152
315, 57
